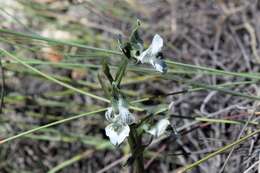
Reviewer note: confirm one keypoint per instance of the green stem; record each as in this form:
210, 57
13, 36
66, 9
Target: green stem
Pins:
135, 144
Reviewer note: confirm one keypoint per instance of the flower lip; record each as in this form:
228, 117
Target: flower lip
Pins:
117, 132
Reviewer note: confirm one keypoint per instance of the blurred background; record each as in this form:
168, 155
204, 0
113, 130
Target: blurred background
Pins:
217, 34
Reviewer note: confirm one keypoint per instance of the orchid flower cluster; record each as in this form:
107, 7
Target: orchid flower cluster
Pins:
118, 115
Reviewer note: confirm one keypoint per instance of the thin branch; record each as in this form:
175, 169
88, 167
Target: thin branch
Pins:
2, 92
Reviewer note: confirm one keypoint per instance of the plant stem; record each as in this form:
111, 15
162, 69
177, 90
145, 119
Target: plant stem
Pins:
136, 147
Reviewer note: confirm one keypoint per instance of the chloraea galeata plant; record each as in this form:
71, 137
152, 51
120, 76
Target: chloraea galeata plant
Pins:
123, 124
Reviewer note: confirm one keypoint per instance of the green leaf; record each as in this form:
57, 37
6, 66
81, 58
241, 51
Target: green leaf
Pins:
103, 86
106, 71
121, 72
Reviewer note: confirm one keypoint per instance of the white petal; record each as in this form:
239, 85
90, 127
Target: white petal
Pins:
157, 44
125, 115
151, 52
146, 55
109, 114
117, 132
159, 128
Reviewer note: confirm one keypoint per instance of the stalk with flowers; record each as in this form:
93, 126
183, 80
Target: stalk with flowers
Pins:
122, 123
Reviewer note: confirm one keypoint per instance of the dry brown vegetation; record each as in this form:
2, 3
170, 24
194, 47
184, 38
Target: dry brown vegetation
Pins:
222, 35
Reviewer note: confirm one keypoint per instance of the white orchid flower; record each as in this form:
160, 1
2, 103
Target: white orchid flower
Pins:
118, 130
159, 128
150, 55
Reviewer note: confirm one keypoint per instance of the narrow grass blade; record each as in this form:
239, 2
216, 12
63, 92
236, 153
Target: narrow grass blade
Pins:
38, 37
214, 71
51, 124
50, 77
59, 82
223, 90
72, 160
215, 88
169, 62
221, 150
